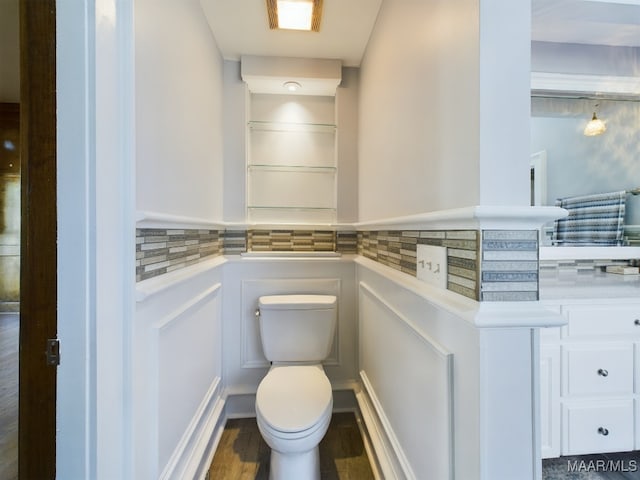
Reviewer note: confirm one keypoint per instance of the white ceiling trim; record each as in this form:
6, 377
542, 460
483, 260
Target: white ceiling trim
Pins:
588, 84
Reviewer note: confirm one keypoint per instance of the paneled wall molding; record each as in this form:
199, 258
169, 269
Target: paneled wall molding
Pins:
187, 306
480, 217
435, 346
427, 372
153, 286
189, 459
480, 314
146, 219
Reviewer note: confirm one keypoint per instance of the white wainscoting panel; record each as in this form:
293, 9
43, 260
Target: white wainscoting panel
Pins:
427, 420
177, 389
398, 361
185, 358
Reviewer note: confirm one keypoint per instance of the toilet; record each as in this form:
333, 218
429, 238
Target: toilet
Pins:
294, 400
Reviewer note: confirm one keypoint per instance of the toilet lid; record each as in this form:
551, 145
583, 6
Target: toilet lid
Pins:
294, 398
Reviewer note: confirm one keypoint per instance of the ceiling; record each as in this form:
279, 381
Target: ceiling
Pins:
241, 27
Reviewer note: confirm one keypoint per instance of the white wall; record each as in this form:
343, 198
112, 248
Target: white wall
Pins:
179, 76
176, 350
419, 110
235, 127
347, 121
443, 107
9, 51
505, 87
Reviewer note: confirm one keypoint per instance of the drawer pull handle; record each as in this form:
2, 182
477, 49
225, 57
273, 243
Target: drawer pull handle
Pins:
603, 431
636, 321
603, 373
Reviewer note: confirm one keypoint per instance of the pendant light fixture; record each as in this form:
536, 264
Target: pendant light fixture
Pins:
595, 126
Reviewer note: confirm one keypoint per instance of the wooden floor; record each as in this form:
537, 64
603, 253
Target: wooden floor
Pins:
9, 325
243, 455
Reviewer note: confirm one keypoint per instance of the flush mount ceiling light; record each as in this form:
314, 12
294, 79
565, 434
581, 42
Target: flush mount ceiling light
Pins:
595, 126
295, 14
292, 86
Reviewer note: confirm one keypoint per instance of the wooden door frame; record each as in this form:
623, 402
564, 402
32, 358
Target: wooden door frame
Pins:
38, 266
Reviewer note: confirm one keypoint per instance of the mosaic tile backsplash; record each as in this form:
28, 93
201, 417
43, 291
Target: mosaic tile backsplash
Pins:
159, 251
397, 249
291, 241
502, 266
509, 265
489, 265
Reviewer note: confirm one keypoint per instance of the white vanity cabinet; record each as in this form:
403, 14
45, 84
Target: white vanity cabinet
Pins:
590, 380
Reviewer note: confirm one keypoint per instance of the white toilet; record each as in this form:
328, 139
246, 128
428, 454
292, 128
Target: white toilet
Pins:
294, 400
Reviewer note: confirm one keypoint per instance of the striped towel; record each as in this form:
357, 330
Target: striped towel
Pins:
593, 220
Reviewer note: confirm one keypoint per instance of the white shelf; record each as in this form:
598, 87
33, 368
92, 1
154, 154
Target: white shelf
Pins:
291, 165
292, 127
293, 168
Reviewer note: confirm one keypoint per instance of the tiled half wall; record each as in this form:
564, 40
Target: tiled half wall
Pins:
487, 265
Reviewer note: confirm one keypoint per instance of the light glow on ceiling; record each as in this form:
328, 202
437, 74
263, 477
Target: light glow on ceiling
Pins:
295, 15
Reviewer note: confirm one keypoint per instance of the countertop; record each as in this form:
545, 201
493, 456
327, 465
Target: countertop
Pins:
588, 285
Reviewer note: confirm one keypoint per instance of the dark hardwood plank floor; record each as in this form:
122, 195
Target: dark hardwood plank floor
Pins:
243, 455
9, 327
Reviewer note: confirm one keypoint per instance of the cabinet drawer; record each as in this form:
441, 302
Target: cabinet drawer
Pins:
597, 427
602, 320
597, 369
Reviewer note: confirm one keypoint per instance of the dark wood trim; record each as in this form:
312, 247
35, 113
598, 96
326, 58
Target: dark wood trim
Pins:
38, 292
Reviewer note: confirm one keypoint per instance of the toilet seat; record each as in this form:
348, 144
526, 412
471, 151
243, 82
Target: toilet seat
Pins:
292, 400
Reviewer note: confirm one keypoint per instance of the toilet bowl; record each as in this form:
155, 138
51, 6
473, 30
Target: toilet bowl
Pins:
294, 400
293, 409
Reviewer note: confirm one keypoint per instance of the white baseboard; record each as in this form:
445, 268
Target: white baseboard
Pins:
194, 452
386, 450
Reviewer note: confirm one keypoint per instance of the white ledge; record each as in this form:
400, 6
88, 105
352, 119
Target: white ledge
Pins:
145, 219
481, 217
279, 254
529, 314
152, 286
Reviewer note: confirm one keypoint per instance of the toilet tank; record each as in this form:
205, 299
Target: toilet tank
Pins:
297, 328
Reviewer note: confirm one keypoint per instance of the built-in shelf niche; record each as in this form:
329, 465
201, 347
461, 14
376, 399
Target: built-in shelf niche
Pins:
291, 160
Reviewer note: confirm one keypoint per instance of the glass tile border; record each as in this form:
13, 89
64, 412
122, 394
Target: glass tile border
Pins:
160, 251
484, 265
